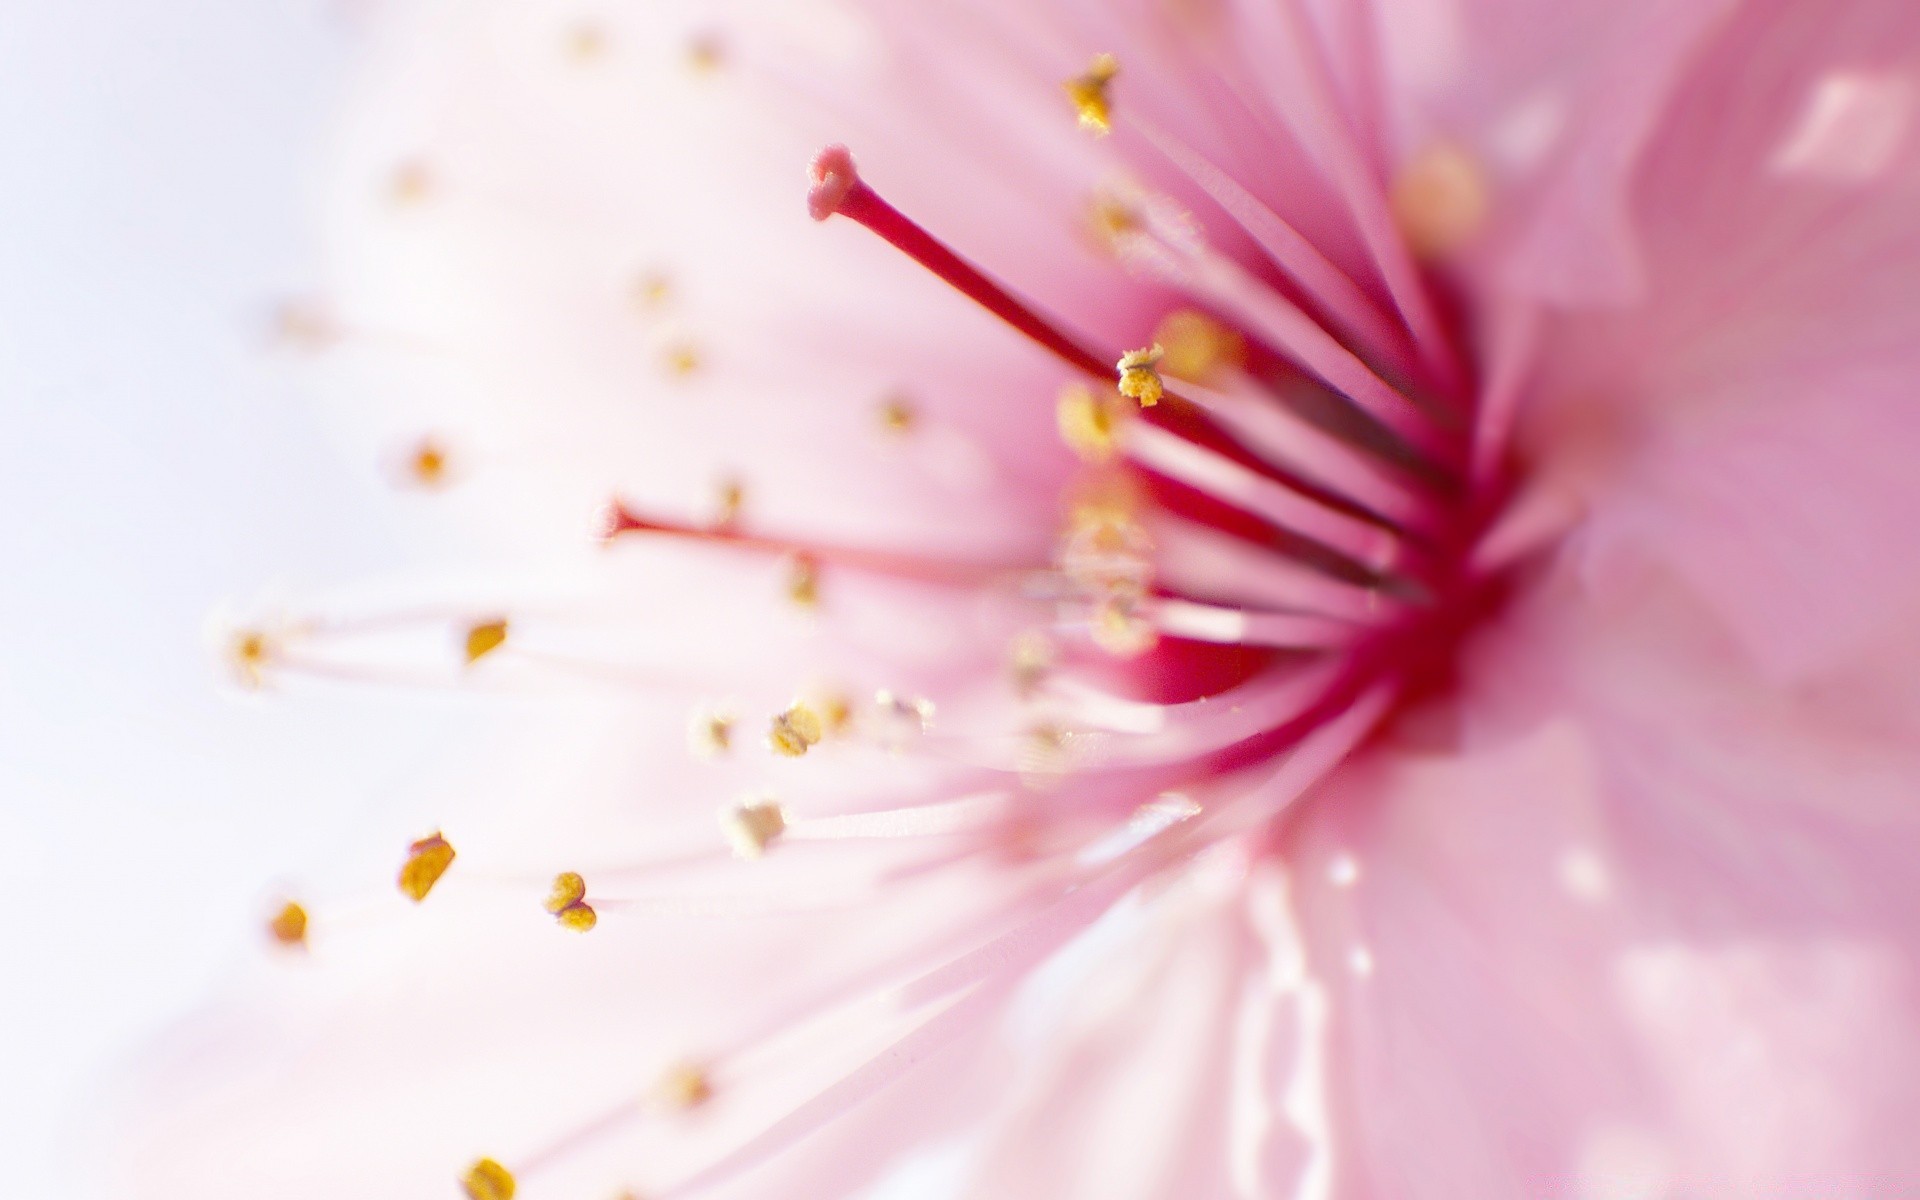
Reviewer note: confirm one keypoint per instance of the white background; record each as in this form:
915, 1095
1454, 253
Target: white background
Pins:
157, 455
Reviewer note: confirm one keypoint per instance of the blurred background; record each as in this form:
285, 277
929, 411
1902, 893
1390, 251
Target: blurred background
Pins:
159, 454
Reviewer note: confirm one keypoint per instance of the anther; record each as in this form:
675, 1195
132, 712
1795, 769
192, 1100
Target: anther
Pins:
568, 902
1140, 375
795, 731
1439, 200
681, 357
488, 1180
710, 734
652, 290
484, 637
1197, 346
250, 653
427, 860
752, 826
730, 498
684, 1087
426, 464
897, 416
1089, 423
289, 925
1090, 95
803, 581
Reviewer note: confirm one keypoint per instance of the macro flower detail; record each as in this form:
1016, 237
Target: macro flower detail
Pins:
1320, 616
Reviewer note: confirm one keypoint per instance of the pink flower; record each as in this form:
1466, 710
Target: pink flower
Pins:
1450, 731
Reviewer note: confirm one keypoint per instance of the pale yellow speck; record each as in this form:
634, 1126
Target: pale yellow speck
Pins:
706, 53
1140, 375
484, 637
685, 1086
1440, 200
730, 498
586, 42
897, 416
1090, 93
427, 860
1197, 346
681, 358
250, 654
710, 734
1090, 423
1030, 658
410, 184
753, 826
426, 464
488, 1180
803, 581
1117, 628
652, 290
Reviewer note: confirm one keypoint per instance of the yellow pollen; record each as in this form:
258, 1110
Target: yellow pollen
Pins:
803, 581
1111, 219
753, 826
795, 731
681, 358
568, 889
706, 53
289, 925
1090, 424
710, 734
410, 184
427, 464
1440, 200
897, 416
578, 916
427, 860
1197, 345
652, 290
250, 652
729, 499
484, 637
1117, 628
684, 1087
1140, 375
1089, 93
1030, 658
487, 1180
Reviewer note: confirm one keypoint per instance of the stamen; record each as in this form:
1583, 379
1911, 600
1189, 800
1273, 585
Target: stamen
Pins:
795, 731
1089, 93
753, 826
897, 416
710, 734
1197, 346
289, 925
249, 654
568, 902
1089, 423
427, 464
1140, 375
838, 188
803, 581
730, 497
488, 1180
427, 860
684, 1087
484, 637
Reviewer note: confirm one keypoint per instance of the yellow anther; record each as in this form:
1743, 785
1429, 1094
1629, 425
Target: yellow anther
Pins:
710, 734
730, 497
685, 1086
250, 654
753, 826
1030, 658
586, 42
795, 731
1197, 345
487, 1180
897, 416
1089, 93
427, 463
289, 925
411, 183
706, 53
1117, 628
568, 889
427, 860
578, 917
484, 637
681, 357
1111, 219
803, 581
1140, 375
1440, 200
652, 290
1090, 423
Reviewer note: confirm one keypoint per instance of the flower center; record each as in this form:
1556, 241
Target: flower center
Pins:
1282, 497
